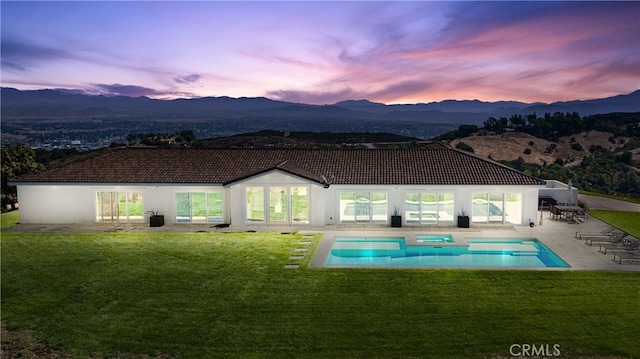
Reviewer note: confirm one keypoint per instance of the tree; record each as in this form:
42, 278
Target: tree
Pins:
465, 147
17, 160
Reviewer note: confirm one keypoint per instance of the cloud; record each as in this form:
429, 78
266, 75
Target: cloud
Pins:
134, 91
189, 79
20, 55
313, 97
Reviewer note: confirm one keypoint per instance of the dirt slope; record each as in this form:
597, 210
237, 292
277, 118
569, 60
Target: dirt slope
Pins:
511, 145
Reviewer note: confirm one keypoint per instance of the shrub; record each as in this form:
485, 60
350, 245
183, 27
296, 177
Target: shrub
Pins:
465, 147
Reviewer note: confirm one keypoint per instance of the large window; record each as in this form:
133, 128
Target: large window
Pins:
277, 204
497, 208
428, 208
363, 207
199, 207
119, 207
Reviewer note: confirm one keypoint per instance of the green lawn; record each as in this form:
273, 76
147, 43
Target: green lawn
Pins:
213, 295
625, 221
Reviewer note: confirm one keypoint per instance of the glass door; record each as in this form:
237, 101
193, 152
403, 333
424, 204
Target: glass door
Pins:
363, 207
254, 197
199, 207
122, 207
278, 205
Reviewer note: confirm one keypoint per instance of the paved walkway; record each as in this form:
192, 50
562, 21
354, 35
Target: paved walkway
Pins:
597, 202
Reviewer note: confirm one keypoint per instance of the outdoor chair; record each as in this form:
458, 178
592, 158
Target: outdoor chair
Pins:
583, 216
605, 240
632, 245
626, 256
556, 213
608, 233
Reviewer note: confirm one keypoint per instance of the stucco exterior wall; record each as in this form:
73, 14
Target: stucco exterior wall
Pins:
56, 204
66, 203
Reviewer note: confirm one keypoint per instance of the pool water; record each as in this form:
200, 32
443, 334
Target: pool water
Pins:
393, 252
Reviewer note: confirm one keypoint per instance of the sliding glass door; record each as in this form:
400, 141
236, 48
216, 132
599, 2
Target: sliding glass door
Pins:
429, 207
119, 207
497, 208
199, 207
363, 207
277, 205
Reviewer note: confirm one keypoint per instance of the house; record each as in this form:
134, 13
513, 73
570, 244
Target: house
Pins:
275, 187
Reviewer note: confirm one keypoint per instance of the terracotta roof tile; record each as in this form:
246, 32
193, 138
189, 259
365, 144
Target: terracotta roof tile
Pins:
435, 165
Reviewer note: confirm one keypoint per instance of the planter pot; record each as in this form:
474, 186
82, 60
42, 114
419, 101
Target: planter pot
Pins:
463, 221
396, 221
156, 221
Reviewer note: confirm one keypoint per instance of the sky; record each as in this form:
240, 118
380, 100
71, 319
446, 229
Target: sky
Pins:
322, 52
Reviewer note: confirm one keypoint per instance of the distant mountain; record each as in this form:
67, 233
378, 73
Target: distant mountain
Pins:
620, 103
63, 103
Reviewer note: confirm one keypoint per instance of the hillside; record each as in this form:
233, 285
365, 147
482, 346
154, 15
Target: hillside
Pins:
511, 145
598, 153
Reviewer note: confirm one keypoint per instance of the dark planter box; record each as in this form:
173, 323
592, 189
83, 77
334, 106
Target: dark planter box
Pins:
396, 221
156, 221
463, 221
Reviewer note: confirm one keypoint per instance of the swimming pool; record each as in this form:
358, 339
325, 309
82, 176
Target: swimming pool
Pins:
480, 252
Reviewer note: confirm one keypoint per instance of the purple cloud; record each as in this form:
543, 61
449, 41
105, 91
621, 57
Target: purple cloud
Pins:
189, 79
20, 55
314, 97
134, 91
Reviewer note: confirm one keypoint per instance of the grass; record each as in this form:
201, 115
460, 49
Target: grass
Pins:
73, 291
9, 219
625, 221
216, 294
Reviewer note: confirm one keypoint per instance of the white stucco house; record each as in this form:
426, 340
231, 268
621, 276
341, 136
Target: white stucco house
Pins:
276, 187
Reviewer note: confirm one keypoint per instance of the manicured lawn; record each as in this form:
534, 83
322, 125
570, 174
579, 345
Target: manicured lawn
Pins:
213, 295
625, 221
9, 219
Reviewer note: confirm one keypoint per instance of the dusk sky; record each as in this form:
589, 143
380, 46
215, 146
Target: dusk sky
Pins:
324, 52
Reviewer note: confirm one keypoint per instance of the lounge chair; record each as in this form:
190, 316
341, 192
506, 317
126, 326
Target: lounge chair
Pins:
623, 239
607, 233
629, 245
626, 256
604, 240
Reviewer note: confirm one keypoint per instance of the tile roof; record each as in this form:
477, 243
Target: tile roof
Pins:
434, 165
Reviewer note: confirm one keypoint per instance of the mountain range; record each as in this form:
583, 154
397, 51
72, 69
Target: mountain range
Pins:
62, 103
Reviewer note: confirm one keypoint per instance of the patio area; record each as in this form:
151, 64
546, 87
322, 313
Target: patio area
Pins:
559, 236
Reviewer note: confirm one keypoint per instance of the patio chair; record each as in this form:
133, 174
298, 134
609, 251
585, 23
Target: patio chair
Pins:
626, 256
605, 240
555, 213
609, 232
629, 245
583, 216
